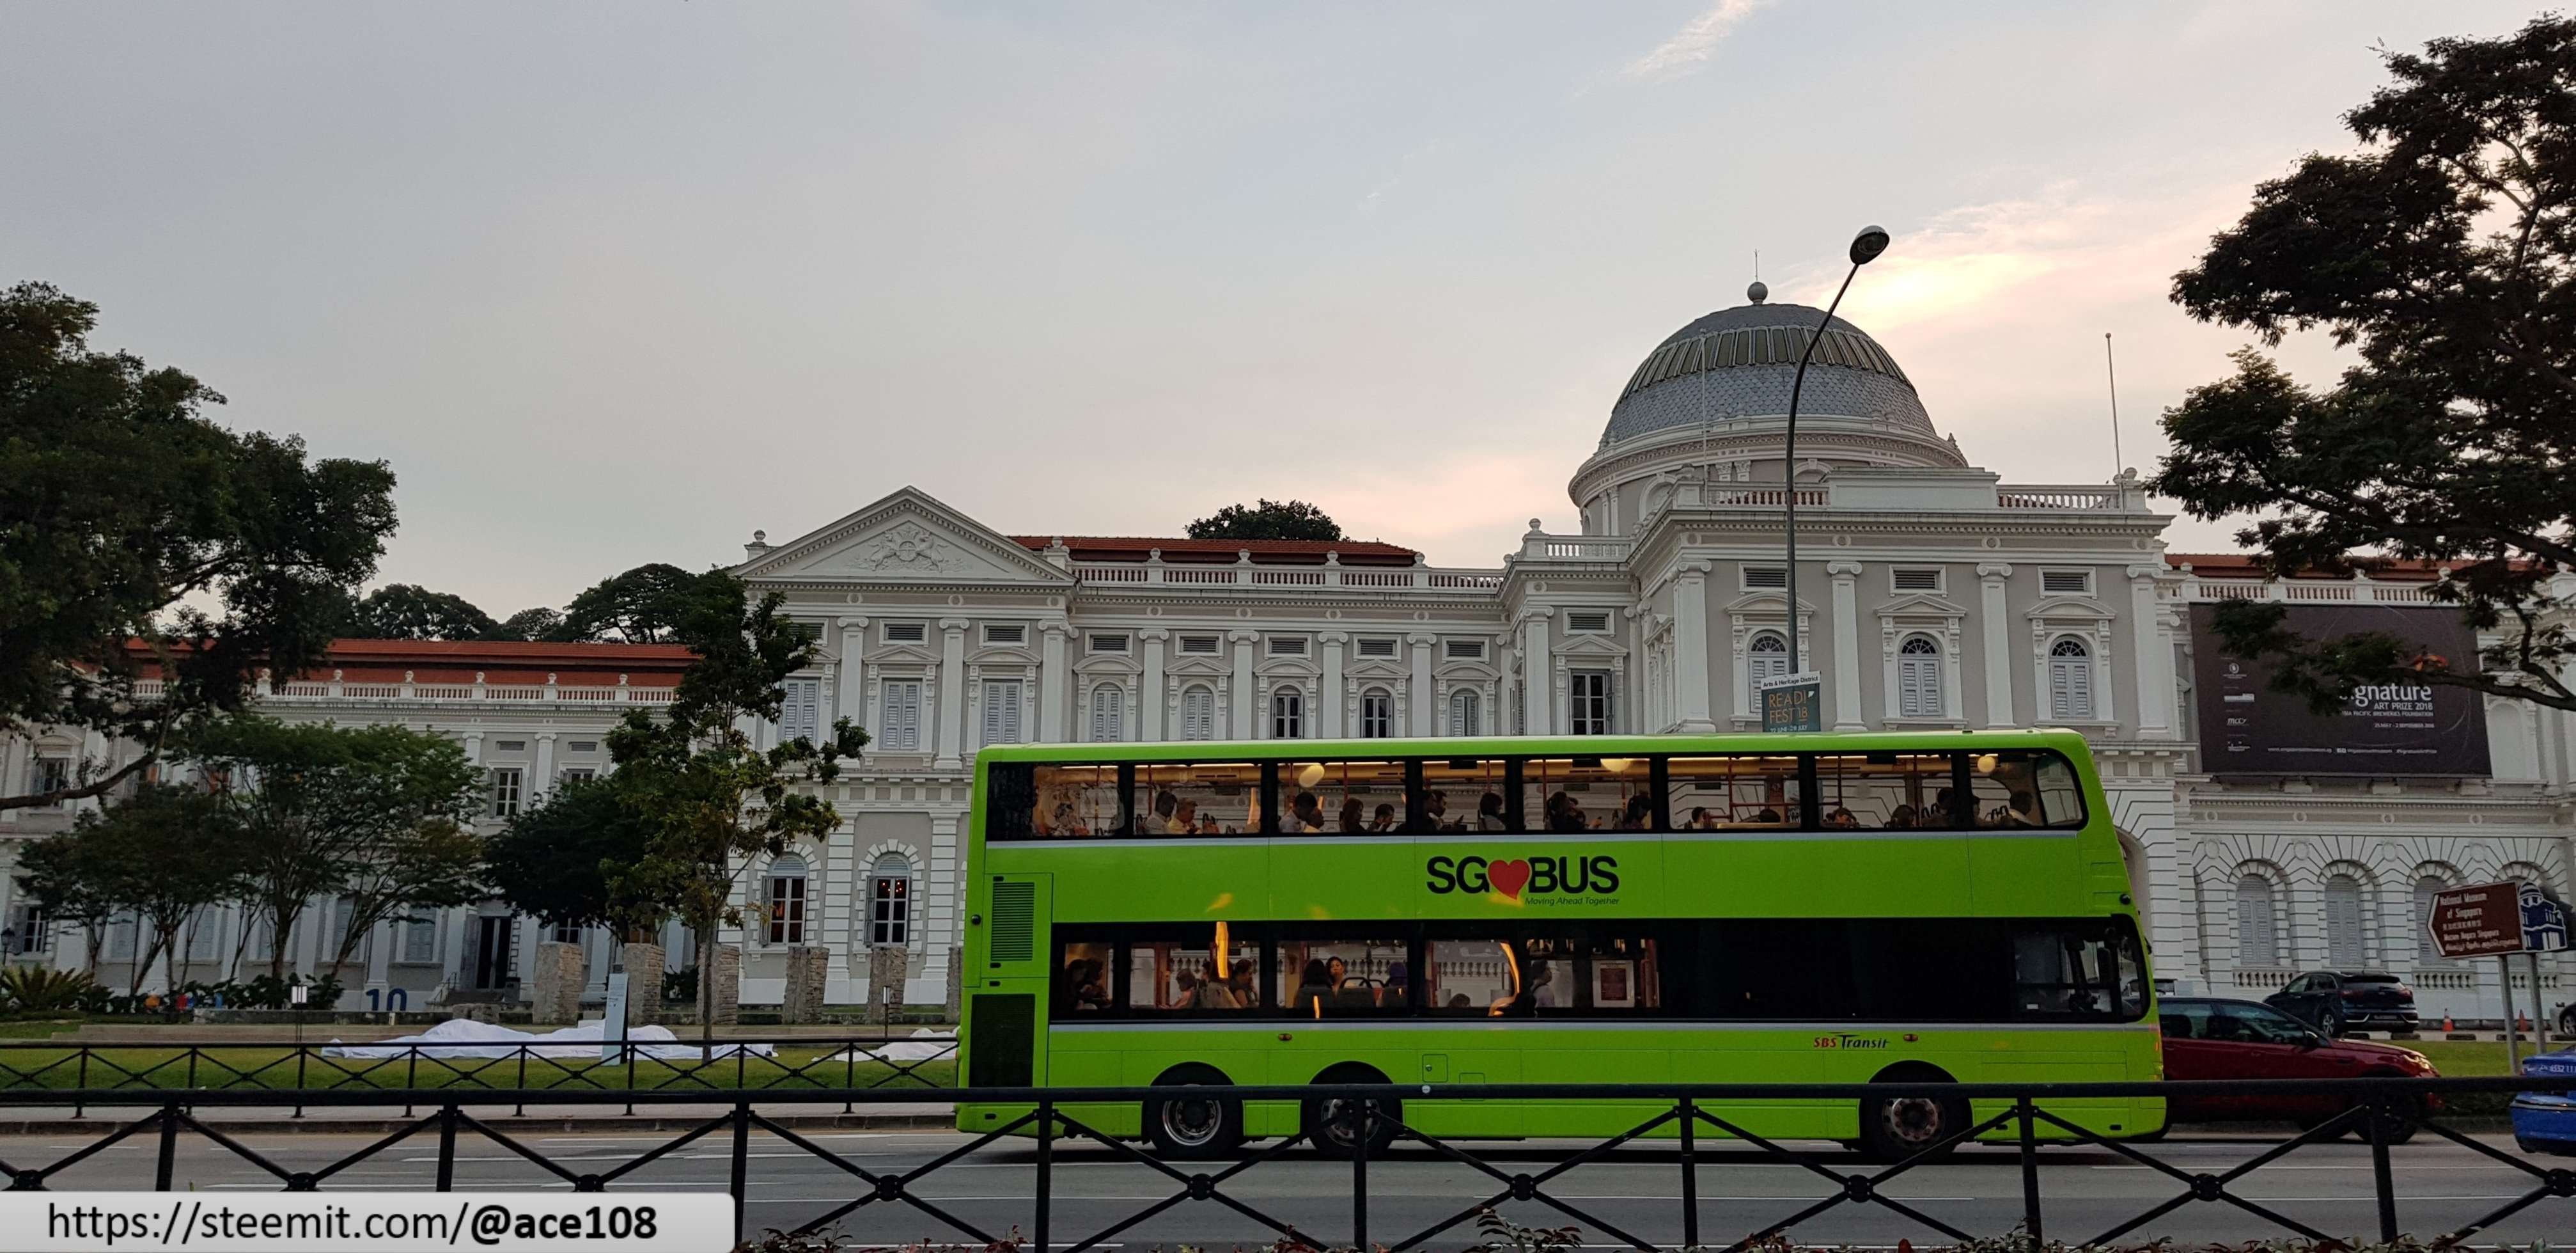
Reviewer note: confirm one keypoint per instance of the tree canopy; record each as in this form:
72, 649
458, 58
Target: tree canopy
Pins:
2442, 251
717, 803
645, 605
1269, 519
139, 540
408, 611
556, 859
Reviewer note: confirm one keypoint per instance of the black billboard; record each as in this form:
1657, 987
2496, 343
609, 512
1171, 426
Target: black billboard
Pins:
2395, 728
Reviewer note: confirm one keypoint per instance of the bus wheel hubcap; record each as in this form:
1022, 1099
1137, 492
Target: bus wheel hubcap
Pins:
1914, 1119
1192, 1122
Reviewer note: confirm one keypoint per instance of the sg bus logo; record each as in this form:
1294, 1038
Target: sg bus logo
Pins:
1536, 876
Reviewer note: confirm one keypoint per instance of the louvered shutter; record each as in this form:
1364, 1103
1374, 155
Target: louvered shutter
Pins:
2343, 921
2257, 942
1002, 712
800, 709
1198, 714
1462, 713
1107, 704
900, 716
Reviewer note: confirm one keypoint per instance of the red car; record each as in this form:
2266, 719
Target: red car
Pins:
2207, 1038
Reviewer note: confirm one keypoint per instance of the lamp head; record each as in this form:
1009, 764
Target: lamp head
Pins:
1866, 246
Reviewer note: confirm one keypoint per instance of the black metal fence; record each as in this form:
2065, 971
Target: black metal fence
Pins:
2380, 1111
734, 1063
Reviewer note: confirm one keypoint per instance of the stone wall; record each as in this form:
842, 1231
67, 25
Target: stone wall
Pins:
560, 973
808, 968
724, 967
643, 966
887, 966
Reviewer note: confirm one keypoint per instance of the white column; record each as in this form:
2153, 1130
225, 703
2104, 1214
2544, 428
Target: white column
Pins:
1538, 675
1422, 705
1690, 650
1246, 701
1149, 712
380, 951
952, 694
1996, 630
1052, 686
544, 781
1846, 677
2155, 689
849, 700
1329, 702
474, 747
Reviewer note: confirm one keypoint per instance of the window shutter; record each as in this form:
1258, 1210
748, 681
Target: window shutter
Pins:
1198, 714
2343, 921
1002, 711
2257, 943
1107, 707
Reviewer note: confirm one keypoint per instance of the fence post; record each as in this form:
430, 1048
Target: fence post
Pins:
1359, 1173
411, 1074
850, 1075
2380, 1115
167, 1167
300, 1058
1046, 1171
82, 1111
522, 1084
1690, 1173
740, 1183
447, 1148
628, 1047
2029, 1172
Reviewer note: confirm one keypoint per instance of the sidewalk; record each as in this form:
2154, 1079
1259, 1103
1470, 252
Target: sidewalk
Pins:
363, 1120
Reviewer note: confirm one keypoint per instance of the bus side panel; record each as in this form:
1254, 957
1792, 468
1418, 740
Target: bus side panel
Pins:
1313, 878
1166, 881
2027, 876
1785, 1054
1720, 877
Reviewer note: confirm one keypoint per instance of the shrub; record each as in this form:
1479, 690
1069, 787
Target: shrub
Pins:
37, 990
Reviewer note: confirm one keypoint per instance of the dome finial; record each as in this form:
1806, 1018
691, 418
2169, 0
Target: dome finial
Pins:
1757, 293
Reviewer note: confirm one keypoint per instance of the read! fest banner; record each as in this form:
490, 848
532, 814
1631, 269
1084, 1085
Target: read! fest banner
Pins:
2396, 728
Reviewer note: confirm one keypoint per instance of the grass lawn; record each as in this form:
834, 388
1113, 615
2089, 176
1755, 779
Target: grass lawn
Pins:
2465, 1059
254, 1066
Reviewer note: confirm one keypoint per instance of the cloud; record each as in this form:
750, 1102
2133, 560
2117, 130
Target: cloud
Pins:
1689, 48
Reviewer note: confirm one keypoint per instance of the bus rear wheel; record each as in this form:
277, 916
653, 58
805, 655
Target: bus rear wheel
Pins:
1195, 1127
1893, 1128
1332, 1123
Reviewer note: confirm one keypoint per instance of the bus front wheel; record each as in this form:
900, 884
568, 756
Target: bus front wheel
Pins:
1197, 1126
1893, 1128
1333, 1123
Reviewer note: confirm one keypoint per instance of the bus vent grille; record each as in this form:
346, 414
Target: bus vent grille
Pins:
1015, 922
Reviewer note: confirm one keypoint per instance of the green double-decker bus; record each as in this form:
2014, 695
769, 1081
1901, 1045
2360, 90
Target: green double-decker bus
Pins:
1822, 908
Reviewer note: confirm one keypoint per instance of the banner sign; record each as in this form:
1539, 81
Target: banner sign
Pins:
2395, 728
1792, 702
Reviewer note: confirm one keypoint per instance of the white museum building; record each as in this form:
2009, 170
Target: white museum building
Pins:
1930, 595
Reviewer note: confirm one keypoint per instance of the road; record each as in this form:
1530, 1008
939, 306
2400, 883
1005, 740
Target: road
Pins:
1637, 1190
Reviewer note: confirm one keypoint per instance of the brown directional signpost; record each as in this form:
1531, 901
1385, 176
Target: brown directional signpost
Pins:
2492, 920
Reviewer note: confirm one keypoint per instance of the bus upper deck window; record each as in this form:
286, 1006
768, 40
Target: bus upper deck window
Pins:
1198, 799
2021, 788
1076, 802
1341, 798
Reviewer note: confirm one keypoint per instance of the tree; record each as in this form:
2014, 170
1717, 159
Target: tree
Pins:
1270, 519
2443, 252
407, 611
434, 862
139, 540
164, 853
645, 605
326, 811
539, 623
715, 801
556, 859
73, 881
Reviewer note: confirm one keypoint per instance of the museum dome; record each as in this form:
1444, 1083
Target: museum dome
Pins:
1738, 364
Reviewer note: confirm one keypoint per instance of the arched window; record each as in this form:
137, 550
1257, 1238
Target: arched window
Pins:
1288, 714
2344, 945
1765, 657
1108, 714
890, 900
786, 900
1377, 714
2070, 679
2258, 939
1464, 717
1918, 678
2426, 887
1198, 712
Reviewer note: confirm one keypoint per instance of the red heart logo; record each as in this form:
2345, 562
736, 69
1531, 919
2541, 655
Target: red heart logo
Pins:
1508, 877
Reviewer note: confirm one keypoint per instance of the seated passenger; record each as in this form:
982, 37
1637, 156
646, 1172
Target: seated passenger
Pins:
1769, 817
1701, 819
1313, 985
1639, 813
1354, 817
1214, 993
1166, 803
1184, 818
1435, 810
1489, 812
1083, 988
1305, 815
1067, 822
1903, 818
1383, 820
1841, 818
1207, 825
1563, 814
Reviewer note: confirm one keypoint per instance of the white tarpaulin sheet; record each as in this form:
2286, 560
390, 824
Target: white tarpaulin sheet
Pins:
460, 1037
922, 1045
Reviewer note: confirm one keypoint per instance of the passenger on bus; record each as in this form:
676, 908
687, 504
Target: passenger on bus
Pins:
1563, 814
1305, 815
1458, 1000
1768, 817
1207, 825
1489, 812
1244, 981
1184, 818
1903, 818
1166, 803
1701, 819
1313, 985
1842, 818
1354, 817
1384, 820
1435, 810
1214, 993
1083, 986
1067, 822
1947, 808
2024, 811
1639, 815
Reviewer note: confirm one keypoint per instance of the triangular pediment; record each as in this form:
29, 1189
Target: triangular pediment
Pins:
1921, 605
1590, 646
907, 537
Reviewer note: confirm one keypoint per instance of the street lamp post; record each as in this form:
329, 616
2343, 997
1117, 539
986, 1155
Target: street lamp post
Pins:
1865, 248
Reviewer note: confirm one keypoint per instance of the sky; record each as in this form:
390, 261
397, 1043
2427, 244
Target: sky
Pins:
617, 283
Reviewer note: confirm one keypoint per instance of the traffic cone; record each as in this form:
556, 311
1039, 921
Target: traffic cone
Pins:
2446, 1024
2522, 1023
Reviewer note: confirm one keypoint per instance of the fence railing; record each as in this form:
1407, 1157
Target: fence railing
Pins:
2023, 1118
734, 1063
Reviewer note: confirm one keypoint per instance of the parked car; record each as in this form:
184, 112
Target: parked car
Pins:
2545, 1122
2210, 1038
2334, 1000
